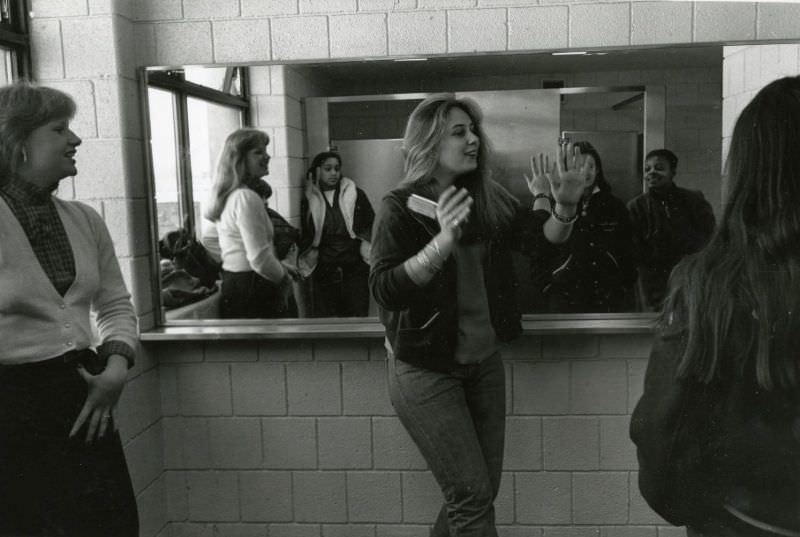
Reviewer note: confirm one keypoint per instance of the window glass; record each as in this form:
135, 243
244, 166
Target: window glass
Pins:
9, 66
224, 79
209, 125
164, 147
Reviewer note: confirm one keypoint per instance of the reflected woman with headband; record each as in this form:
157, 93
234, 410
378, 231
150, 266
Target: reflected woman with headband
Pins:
447, 295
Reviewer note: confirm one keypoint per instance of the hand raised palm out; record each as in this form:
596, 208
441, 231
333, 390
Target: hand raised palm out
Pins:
567, 178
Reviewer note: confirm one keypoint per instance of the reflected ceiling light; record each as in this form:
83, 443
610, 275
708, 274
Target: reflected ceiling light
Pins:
570, 53
411, 59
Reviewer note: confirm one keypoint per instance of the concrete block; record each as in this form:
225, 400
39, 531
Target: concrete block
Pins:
420, 32
525, 347
231, 351
314, 389
48, 58
319, 497
213, 496
294, 530
671, 531
266, 496
341, 350
674, 26
752, 69
393, 448
277, 350
259, 8
600, 497
348, 530
205, 390
374, 497
523, 446
58, 8
178, 353
599, 387
571, 443
355, 36
87, 53
239, 530
401, 531
569, 346
145, 457
235, 442
571, 532
239, 41
422, 497
327, 6
599, 25
540, 27
161, 10
259, 389
365, 390
344, 443
617, 451
296, 38
638, 510
100, 177
168, 382
472, 30
183, 43
188, 443
543, 497
289, 443
540, 388
121, 216
724, 21
628, 531
151, 503
176, 495
210, 9
504, 503
386, 5
777, 21
139, 406
188, 529
518, 531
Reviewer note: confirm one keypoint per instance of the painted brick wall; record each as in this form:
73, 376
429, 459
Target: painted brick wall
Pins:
91, 48
285, 438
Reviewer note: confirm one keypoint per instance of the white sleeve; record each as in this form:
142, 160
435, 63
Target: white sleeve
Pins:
257, 233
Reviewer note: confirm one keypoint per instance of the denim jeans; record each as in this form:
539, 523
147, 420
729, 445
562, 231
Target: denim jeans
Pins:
457, 421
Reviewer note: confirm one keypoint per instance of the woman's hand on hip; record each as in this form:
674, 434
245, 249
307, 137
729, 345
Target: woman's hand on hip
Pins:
104, 391
455, 206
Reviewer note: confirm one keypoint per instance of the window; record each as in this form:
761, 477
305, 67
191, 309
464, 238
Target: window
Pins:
14, 41
191, 113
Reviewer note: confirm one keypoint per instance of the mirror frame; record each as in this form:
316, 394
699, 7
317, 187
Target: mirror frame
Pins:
368, 327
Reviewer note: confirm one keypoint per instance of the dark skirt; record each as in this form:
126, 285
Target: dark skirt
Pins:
51, 485
246, 295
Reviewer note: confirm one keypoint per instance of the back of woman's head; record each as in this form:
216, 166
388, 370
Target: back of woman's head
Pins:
588, 149
231, 167
739, 298
24, 107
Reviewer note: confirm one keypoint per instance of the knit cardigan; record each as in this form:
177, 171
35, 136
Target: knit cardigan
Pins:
36, 322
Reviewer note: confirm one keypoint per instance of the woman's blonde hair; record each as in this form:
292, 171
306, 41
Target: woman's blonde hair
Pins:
231, 168
493, 206
24, 107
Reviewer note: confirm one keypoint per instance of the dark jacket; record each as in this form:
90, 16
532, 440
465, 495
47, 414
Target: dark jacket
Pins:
711, 455
668, 224
422, 322
594, 270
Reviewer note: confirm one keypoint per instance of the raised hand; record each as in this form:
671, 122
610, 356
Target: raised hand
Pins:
539, 180
312, 181
569, 177
454, 209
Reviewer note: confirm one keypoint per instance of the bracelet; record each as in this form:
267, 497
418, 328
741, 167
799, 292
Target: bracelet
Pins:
548, 197
436, 247
564, 219
426, 262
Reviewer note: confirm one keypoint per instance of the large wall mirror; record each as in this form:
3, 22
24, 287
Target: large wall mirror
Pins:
624, 102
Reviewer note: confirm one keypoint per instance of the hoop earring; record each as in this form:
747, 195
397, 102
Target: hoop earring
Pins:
24, 154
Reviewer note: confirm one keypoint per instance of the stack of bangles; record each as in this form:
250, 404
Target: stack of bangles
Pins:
425, 260
564, 219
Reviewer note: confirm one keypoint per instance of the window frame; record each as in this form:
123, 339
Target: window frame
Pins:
15, 35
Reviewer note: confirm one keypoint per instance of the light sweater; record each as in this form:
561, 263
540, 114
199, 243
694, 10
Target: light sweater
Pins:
36, 322
245, 237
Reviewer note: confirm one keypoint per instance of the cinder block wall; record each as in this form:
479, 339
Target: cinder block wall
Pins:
300, 439
92, 48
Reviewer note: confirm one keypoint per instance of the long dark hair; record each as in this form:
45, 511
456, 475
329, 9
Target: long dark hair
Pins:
600, 178
493, 205
746, 282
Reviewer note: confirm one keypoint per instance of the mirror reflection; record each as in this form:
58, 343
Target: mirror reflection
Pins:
634, 221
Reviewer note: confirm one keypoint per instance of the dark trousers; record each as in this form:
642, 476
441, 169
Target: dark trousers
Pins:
341, 290
457, 420
246, 295
51, 485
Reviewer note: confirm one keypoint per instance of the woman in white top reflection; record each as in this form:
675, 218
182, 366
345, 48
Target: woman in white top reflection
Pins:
255, 283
